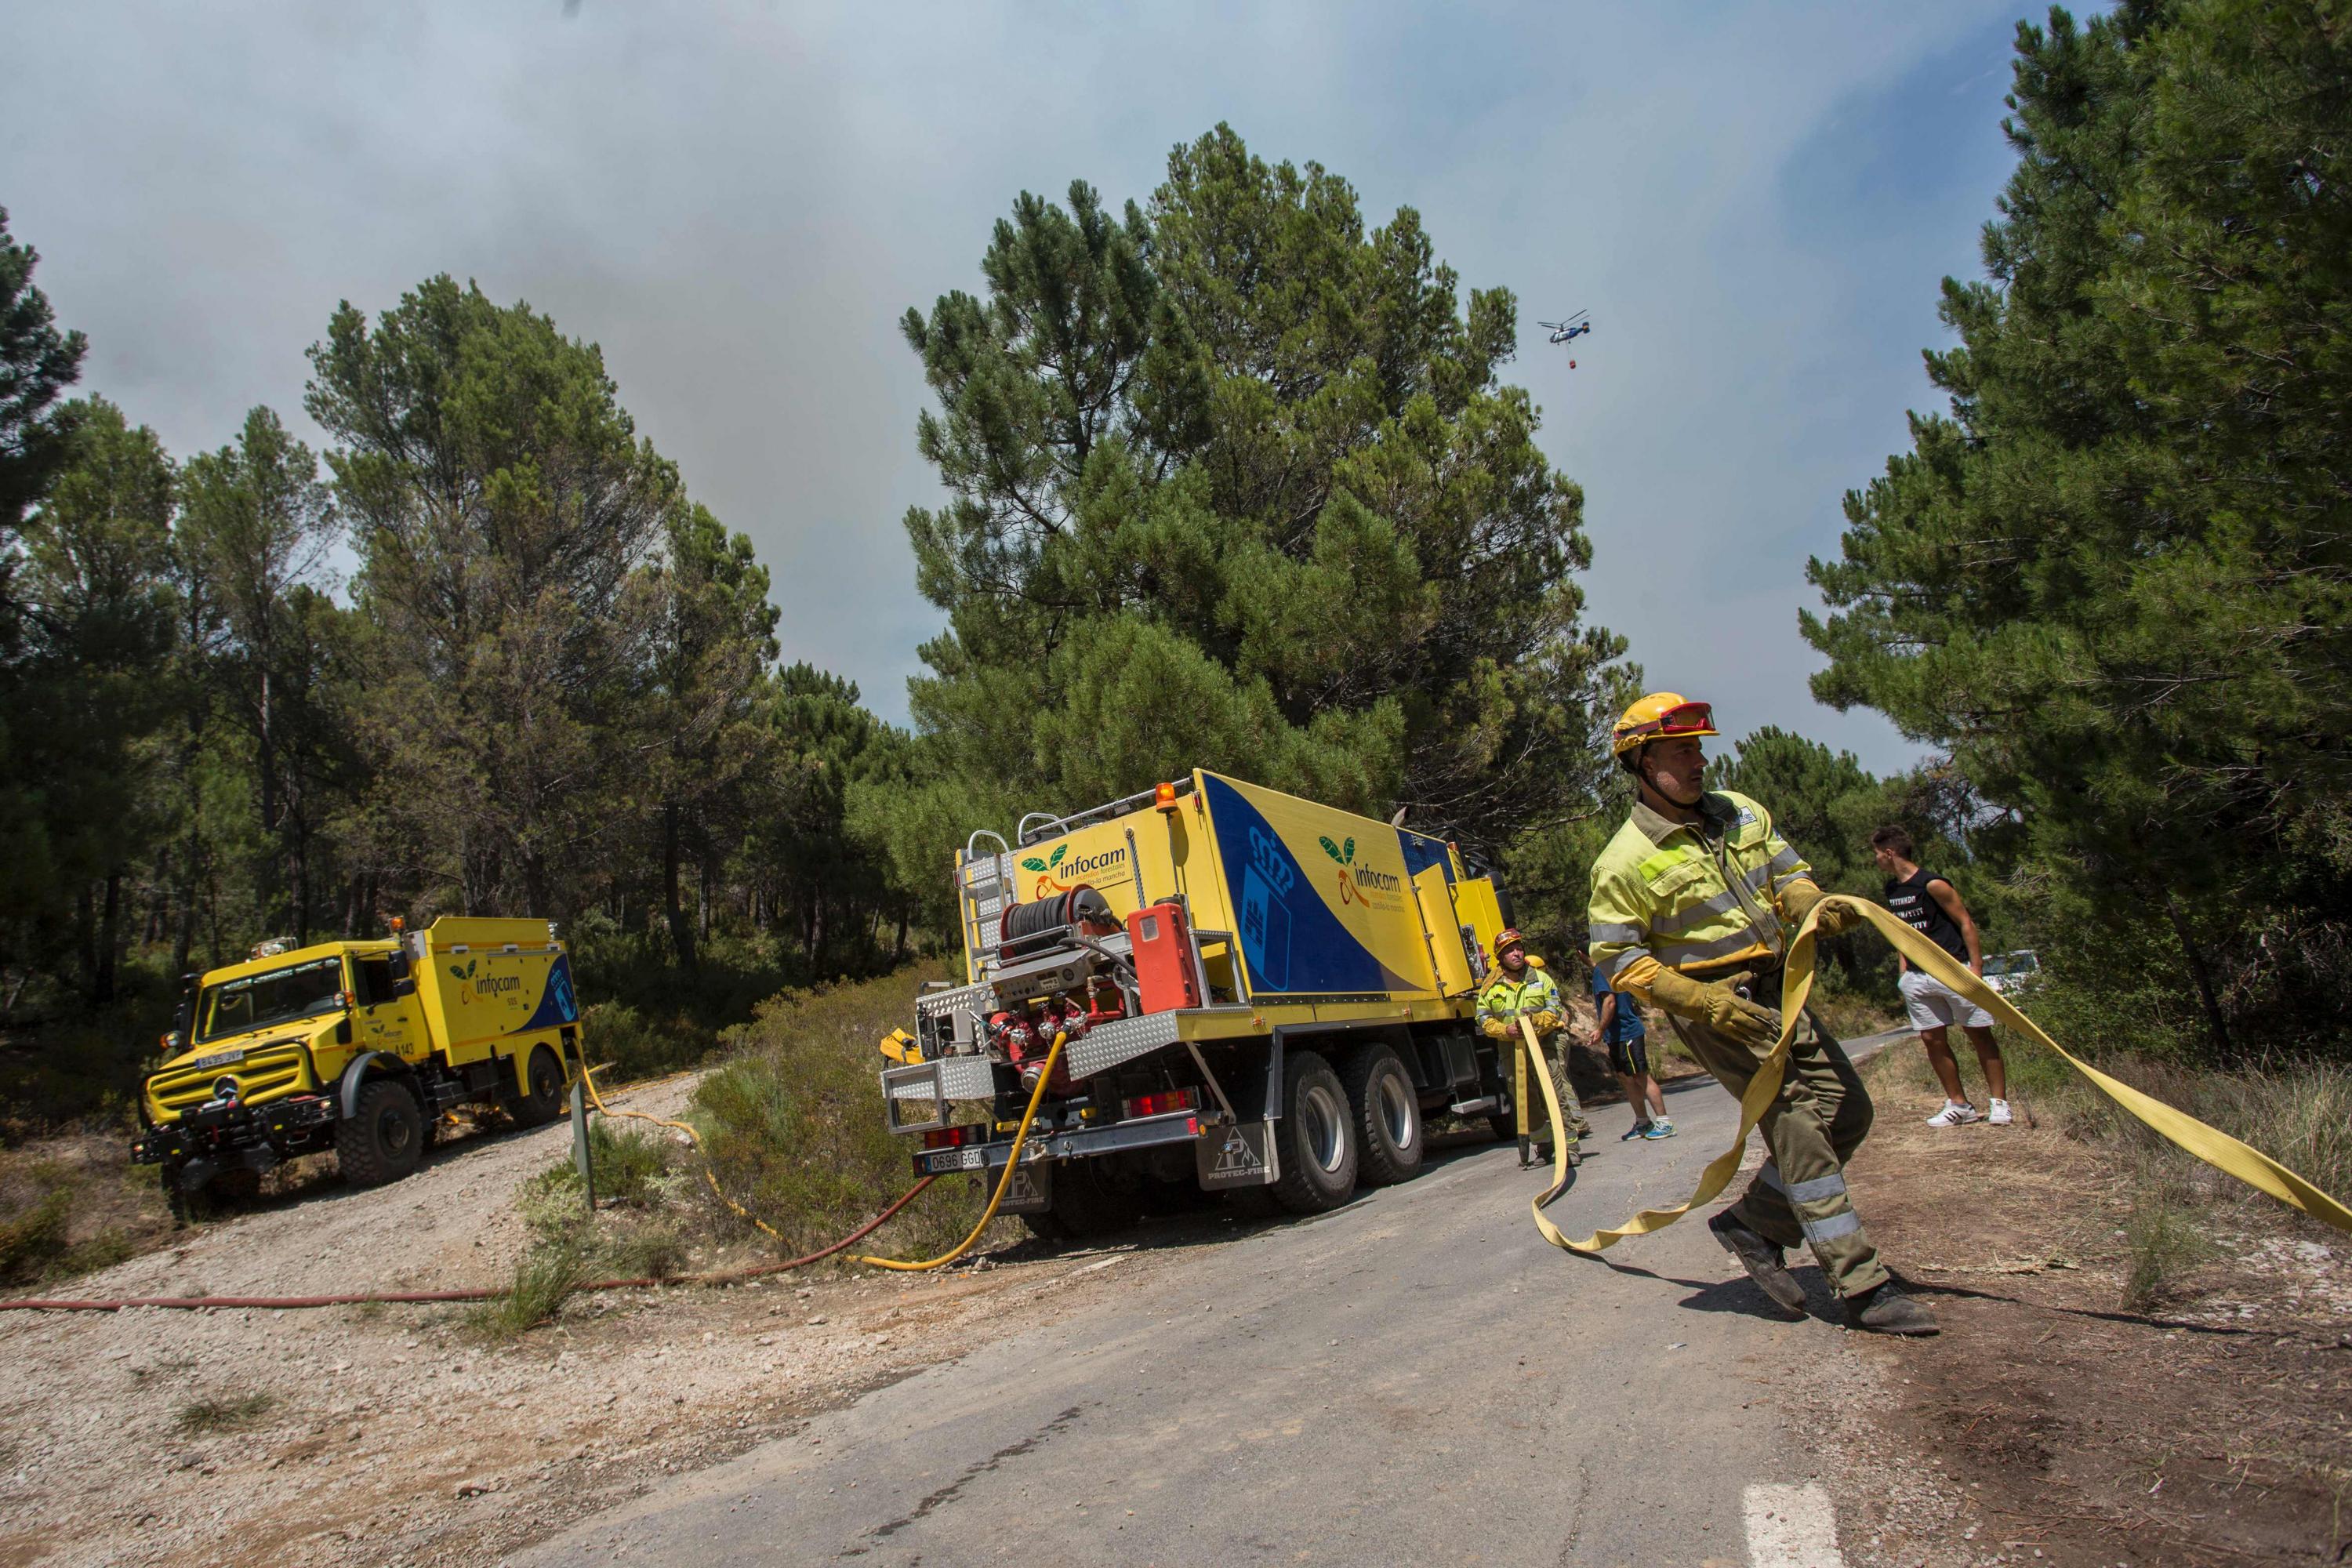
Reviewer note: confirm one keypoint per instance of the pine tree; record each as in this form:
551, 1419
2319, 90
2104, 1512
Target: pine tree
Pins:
2112, 581
504, 510
86, 704
1234, 483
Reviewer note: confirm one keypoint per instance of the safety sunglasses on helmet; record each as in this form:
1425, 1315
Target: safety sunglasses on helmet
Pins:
1690, 719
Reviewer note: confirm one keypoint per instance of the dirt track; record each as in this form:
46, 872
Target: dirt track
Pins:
393, 1434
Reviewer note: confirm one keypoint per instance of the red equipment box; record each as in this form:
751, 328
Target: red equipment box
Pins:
1163, 958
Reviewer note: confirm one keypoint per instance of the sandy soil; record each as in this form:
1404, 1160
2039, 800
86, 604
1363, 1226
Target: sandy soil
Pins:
2047, 1424
391, 1434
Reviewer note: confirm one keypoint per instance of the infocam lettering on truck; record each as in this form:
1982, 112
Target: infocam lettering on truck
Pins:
1252, 990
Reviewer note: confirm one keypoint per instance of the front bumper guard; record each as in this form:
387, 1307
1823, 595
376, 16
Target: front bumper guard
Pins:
229, 1134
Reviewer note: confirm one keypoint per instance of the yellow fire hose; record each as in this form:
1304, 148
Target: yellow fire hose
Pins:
1565, 1162
1003, 1182
2216, 1147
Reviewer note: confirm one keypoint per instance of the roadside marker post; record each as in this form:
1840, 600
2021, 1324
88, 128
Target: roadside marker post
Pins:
580, 1158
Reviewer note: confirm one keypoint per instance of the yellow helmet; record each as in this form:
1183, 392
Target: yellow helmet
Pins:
1659, 714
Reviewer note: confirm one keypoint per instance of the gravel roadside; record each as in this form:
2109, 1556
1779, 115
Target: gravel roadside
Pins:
367, 1435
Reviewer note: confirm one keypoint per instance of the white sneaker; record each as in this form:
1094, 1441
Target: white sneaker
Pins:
1998, 1114
1955, 1114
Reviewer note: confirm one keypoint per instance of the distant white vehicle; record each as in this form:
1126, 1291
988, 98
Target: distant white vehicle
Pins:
2010, 973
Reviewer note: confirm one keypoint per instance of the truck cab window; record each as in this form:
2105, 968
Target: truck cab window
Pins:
373, 980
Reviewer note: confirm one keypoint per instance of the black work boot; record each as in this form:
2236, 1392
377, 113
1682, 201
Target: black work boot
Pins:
1762, 1260
1884, 1310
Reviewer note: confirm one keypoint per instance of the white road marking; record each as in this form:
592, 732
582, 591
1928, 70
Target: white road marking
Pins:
1792, 1527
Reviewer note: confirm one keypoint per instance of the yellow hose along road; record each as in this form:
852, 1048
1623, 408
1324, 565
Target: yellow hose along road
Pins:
1012, 1163
2216, 1147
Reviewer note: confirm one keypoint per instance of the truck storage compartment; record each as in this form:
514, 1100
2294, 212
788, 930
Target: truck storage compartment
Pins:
1164, 973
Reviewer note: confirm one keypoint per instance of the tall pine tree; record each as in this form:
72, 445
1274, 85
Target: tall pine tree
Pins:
1235, 482
2113, 580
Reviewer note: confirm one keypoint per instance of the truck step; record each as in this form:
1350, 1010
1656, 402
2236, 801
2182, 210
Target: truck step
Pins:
1479, 1107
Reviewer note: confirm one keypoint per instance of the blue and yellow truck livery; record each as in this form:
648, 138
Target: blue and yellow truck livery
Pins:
1254, 992
360, 1047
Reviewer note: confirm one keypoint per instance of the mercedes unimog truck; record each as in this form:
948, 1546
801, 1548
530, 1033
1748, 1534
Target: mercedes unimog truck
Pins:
360, 1047
1253, 992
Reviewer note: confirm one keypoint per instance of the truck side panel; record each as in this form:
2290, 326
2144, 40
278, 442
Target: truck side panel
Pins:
491, 987
1319, 898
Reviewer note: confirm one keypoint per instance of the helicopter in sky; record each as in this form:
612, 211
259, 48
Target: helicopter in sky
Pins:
1570, 330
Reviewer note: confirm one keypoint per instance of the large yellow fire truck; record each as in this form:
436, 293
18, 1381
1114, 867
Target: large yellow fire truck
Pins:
1253, 992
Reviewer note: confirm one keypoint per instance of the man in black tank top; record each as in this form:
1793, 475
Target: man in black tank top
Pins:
1931, 906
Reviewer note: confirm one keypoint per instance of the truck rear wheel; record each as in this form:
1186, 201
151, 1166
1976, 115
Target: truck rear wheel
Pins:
542, 1095
1319, 1137
1387, 1116
383, 1137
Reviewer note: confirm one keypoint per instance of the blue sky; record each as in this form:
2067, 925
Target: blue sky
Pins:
737, 202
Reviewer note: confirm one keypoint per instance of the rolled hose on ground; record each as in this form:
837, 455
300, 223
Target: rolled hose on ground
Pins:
1003, 1182
2215, 1147
484, 1293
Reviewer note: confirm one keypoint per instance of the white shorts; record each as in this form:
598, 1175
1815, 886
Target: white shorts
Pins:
1933, 1004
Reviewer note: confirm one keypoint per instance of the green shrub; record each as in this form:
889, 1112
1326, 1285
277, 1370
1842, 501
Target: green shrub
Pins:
794, 1126
629, 1156
544, 1278
32, 1242
625, 1044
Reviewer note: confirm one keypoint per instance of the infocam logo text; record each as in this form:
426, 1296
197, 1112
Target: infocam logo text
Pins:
1355, 881
1057, 875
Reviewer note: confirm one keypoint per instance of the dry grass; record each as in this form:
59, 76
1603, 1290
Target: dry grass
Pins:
545, 1278
2299, 1113
206, 1417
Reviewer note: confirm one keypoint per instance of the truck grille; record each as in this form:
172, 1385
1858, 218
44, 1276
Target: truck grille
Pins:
267, 1072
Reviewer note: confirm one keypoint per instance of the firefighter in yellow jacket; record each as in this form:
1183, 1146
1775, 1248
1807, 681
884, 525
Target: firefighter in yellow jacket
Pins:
1692, 904
1520, 989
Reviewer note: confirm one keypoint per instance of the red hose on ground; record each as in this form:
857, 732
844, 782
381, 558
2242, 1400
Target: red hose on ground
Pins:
190, 1303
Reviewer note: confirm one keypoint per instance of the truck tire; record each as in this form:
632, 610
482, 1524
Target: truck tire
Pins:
384, 1137
187, 1207
1387, 1116
542, 1097
1319, 1137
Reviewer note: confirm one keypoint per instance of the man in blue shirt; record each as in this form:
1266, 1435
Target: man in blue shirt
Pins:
1621, 1034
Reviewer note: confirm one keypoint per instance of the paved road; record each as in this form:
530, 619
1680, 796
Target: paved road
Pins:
1416, 1378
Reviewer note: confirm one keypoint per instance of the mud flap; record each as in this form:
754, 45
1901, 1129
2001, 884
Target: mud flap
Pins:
1246, 1156
1031, 1191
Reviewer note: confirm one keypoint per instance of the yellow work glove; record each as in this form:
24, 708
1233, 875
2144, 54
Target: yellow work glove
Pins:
1799, 901
1547, 1022
1495, 1029
1719, 1006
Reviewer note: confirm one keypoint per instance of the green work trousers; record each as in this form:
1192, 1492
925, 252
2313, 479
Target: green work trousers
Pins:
1554, 1056
1812, 1127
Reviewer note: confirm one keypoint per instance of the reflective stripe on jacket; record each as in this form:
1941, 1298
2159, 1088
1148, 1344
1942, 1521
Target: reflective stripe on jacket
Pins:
1705, 898
1507, 999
